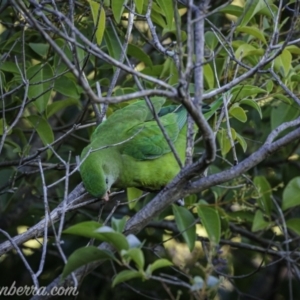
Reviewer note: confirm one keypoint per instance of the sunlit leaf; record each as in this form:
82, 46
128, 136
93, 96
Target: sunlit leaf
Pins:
254, 31
293, 49
251, 9
238, 113
168, 11
99, 18
118, 8
282, 62
224, 140
243, 91
133, 194
232, 10
139, 5
248, 50
253, 104
209, 76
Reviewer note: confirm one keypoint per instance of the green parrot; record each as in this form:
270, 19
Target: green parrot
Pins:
129, 149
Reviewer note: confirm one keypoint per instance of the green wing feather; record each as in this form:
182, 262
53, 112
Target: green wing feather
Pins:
148, 141
126, 118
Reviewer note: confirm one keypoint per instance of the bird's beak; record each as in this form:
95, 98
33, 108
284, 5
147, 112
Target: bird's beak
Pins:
106, 196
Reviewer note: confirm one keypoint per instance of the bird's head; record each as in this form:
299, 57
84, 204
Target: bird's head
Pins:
96, 177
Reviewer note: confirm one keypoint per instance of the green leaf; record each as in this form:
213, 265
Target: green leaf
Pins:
232, 10
3, 126
133, 194
238, 113
139, 5
125, 276
40, 85
240, 92
224, 140
251, 9
118, 8
253, 104
293, 49
83, 256
59, 66
158, 264
211, 221
15, 146
44, 130
39, 48
264, 190
185, 222
241, 216
294, 224
209, 76
117, 239
138, 53
59, 105
282, 62
295, 78
157, 18
241, 141
211, 40
66, 86
258, 222
112, 43
137, 256
118, 224
173, 75
168, 12
99, 19
10, 67
252, 31
92, 229
213, 108
283, 113
86, 229
283, 98
269, 85
291, 194
245, 50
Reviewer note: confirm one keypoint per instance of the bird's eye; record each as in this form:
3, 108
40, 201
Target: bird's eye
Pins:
106, 180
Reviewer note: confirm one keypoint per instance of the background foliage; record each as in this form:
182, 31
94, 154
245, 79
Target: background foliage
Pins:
237, 237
